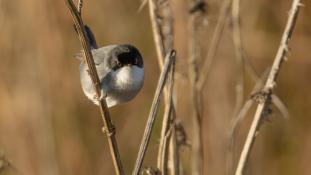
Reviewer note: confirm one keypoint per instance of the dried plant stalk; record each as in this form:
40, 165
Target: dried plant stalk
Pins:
211, 53
169, 59
269, 85
195, 22
239, 89
236, 34
237, 119
162, 27
108, 126
173, 154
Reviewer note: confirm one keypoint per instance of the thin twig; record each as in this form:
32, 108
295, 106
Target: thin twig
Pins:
108, 126
211, 53
269, 86
169, 59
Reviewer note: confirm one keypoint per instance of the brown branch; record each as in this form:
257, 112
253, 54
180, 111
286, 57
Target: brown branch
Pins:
269, 85
169, 59
108, 126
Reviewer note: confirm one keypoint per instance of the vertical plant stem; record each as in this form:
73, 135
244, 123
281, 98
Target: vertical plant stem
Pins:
157, 34
169, 59
269, 85
167, 123
239, 89
174, 154
195, 93
108, 126
212, 50
163, 42
236, 34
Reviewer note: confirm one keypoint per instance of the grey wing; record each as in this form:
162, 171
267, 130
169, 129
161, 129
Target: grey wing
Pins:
80, 55
102, 54
99, 55
103, 74
101, 67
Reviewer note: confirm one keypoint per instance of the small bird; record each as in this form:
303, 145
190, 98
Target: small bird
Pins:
120, 70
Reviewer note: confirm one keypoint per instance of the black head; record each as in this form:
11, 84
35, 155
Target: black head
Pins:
124, 55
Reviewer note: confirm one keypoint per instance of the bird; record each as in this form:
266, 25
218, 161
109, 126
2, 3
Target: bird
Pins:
120, 69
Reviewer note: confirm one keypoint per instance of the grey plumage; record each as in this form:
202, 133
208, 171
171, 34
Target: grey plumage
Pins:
120, 70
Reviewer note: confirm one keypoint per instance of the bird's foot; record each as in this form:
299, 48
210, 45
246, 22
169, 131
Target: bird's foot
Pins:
110, 132
102, 96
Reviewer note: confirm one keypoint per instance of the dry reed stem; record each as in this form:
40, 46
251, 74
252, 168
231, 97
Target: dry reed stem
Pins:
174, 154
162, 27
211, 53
240, 86
269, 85
236, 34
241, 58
167, 124
108, 126
169, 59
235, 122
195, 22
165, 156
244, 109
244, 62
157, 34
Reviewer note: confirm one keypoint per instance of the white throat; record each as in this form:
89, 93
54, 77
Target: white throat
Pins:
128, 78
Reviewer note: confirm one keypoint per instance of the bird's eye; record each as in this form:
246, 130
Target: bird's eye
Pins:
119, 64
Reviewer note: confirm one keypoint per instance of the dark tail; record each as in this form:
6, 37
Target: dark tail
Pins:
90, 36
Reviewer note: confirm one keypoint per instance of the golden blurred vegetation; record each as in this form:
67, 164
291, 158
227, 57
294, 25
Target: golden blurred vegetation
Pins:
48, 127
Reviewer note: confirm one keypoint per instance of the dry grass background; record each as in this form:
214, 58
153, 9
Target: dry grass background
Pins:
48, 127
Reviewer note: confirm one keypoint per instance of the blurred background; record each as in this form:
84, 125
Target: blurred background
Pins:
48, 127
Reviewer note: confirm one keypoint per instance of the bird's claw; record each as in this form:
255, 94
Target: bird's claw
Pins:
102, 96
110, 132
